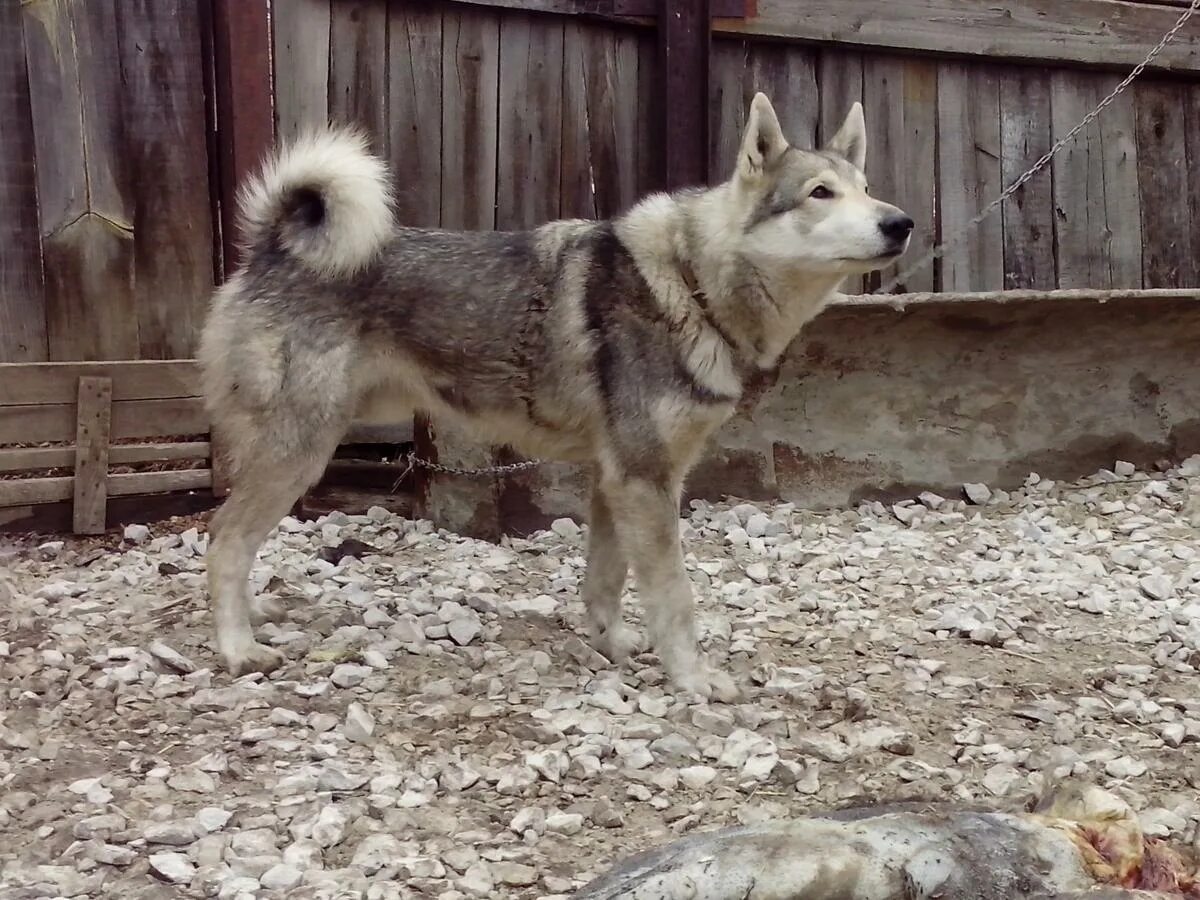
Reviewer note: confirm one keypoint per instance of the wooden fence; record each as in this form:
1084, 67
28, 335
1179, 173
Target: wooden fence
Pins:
128, 123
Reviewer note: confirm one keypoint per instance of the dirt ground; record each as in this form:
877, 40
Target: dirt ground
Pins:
441, 728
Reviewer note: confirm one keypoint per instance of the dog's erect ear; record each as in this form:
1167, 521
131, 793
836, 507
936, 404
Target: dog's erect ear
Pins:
851, 139
763, 142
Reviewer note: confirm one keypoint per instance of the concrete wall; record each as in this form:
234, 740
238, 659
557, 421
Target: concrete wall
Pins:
879, 402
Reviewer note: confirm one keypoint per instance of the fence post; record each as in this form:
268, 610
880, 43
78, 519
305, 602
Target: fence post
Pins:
245, 132
245, 113
684, 36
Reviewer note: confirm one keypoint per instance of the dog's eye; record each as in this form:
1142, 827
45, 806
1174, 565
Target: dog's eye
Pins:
820, 192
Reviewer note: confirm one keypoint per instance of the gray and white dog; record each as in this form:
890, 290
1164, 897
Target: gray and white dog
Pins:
620, 344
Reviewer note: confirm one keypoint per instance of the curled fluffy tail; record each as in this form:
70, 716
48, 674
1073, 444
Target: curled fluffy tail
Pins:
324, 199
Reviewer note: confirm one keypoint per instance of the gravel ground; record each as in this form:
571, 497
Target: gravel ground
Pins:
441, 730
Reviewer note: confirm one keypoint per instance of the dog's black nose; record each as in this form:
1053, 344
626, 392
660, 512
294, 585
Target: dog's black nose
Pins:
896, 227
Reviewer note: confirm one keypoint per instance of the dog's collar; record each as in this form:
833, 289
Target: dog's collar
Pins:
688, 274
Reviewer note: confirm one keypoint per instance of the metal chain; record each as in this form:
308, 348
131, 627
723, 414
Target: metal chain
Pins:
939, 251
413, 461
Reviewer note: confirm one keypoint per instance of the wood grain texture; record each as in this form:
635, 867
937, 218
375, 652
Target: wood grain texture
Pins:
358, 47
1164, 180
729, 66
166, 123
1080, 219
899, 100
969, 176
739, 70
1191, 112
599, 121
1122, 193
1100, 32
529, 166
651, 162
684, 37
130, 419
27, 491
22, 286
93, 418
84, 179
840, 81
24, 459
30, 383
300, 31
470, 84
1029, 213
415, 103
244, 114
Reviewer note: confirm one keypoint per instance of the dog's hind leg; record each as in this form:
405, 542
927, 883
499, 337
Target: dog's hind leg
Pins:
604, 581
264, 489
646, 516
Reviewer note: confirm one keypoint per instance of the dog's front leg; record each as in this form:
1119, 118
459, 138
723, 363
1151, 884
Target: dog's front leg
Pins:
604, 582
646, 515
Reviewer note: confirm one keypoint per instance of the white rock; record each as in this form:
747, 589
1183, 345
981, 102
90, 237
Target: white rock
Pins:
977, 493
348, 675
281, 877
565, 823
137, 534
360, 724
175, 868
376, 851
696, 777
330, 826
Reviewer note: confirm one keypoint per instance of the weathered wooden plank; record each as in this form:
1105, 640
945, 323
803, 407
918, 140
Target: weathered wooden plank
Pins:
1096, 195
163, 74
84, 179
34, 491
899, 100
22, 286
788, 75
358, 72
1079, 215
26, 383
24, 459
729, 64
470, 79
650, 119
1191, 112
130, 419
738, 70
969, 176
642, 12
93, 421
1164, 181
415, 117
1099, 32
245, 116
529, 166
1029, 213
301, 40
840, 80
1122, 194
599, 121
684, 30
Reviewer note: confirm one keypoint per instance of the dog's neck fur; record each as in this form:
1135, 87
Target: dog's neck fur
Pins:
757, 313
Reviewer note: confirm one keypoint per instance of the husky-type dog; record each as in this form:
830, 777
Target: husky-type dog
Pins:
619, 344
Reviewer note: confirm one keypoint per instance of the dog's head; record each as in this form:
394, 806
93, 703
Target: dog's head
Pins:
809, 210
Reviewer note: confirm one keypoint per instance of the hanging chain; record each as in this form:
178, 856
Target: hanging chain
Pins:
940, 250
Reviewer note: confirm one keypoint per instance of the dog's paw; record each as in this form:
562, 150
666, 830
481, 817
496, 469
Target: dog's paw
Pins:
694, 677
618, 643
254, 658
267, 609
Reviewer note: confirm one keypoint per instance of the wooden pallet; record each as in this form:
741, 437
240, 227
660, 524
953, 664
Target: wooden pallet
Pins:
84, 409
